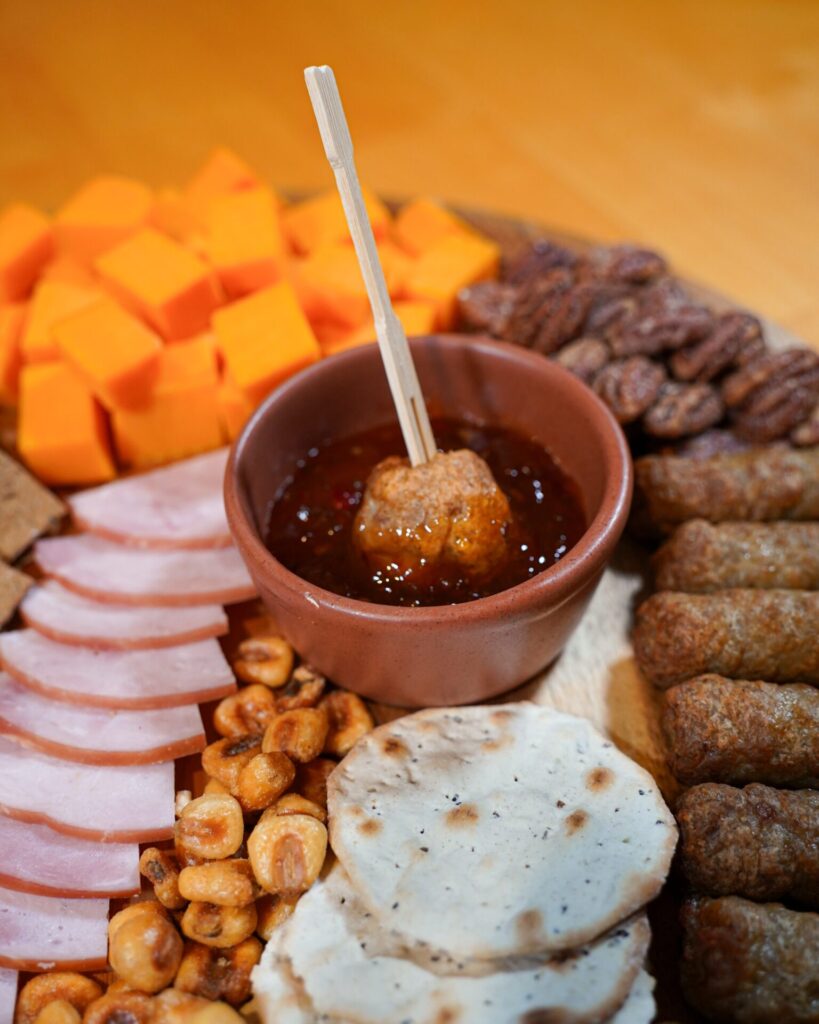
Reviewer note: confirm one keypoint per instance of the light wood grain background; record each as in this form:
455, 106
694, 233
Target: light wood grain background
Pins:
692, 126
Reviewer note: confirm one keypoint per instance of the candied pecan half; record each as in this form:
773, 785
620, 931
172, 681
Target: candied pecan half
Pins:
584, 357
735, 340
563, 317
627, 263
807, 433
774, 394
630, 386
683, 409
486, 307
654, 329
718, 441
536, 260
611, 306
535, 302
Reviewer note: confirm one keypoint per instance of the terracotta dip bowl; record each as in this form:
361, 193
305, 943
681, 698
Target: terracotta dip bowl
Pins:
450, 654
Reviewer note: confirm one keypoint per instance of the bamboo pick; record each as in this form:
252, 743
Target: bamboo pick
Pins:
392, 342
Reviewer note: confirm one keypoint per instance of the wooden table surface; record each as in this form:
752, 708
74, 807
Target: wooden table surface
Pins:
691, 125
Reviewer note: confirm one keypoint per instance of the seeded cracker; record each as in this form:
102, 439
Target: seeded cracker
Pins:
13, 585
27, 509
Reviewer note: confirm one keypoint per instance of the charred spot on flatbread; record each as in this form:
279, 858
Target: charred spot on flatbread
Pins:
466, 814
599, 778
370, 827
576, 820
529, 926
393, 747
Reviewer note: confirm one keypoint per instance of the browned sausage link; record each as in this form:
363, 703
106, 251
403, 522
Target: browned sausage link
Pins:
759, 484
758, 842
701, 557
750, 963
742, 634
723, 730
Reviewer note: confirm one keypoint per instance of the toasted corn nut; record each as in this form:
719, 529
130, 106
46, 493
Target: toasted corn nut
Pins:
213, 925
215, 786
145, 952
161, 868
175, 1007
224, 759
287, 851
211, 827
121, 1008
294, 803
183, 797
219, 973
58, 1012
185, 857
264, 659
118, 985
136, 909
273, 910
300, 734
311, 780
349, 721
43, 989
217, 1013
228, 883
263, 779
303, 691
245, 713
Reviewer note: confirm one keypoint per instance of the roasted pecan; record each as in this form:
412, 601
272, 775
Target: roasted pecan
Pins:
563, 316
807, 433
769, 370
682, 410
585, 357
630, 386
659, 328
611, 306
486, 307
537, 260
536, 301
719, 441
774, 394
735, 340
627, 263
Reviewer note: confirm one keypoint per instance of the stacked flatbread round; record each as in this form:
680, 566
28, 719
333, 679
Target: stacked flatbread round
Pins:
492, 865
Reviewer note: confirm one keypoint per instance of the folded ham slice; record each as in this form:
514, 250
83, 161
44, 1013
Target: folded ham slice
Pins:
179, 506
36, 859
71, 619
121, 804
106, 571
38, 933
8, 995
169, 677
98, 735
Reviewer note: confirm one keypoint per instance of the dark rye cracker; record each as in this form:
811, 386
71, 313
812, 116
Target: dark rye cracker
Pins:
13, 586
27, 509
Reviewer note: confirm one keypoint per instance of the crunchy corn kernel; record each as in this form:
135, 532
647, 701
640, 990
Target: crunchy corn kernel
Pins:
263, 779
133, 910
213, 925
228, 883
217, 1013
211, 827
303, 691
287, 851
294, 803
264, 659
224, 759
349, 721
58, 1012
245, 713
219, 973
215, 786
183, 797
161, 868
121, 1008
43, 989
273, 910
300, 734
175, 1007
311, 780
145, 952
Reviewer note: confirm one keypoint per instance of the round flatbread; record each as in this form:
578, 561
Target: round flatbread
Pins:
332, 960
640, 1007
498, 831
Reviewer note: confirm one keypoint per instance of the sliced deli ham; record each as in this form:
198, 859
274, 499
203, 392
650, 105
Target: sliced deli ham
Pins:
168, 677
8, 995
179, 506
121, 804
36, 859
71, 619
38, 933
104, 736
106, 571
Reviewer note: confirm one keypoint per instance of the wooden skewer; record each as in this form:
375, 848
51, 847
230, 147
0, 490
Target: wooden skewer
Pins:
392, 342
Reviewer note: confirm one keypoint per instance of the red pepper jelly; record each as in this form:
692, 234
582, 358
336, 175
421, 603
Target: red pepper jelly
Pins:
310, 523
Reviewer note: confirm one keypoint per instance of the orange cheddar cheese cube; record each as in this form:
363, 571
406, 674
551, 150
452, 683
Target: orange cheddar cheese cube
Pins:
182, 417
11, 328
104, 212
415, 317
422, 223
62, 434
223, 172
173, 215
244, 242
67, 269
163, 282
235, 407
53, 300
114, 353
26, 245
450, 265
320, 221
264, 338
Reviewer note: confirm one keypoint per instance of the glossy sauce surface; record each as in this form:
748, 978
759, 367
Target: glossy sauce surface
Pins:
310, 524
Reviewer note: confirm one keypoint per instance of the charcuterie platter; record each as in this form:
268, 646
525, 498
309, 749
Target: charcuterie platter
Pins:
335, 855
